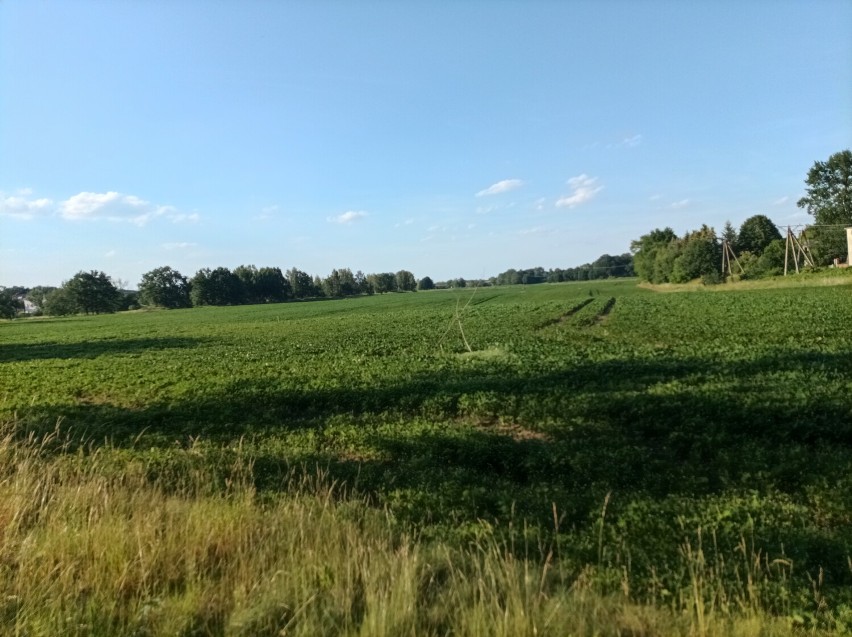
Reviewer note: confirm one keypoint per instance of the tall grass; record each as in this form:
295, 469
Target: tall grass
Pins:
88, 547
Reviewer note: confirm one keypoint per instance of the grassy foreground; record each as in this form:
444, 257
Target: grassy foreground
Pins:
88, 550
561, 459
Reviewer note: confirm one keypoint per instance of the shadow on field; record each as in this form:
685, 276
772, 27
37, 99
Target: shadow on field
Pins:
481, 442
656, 427
17, 352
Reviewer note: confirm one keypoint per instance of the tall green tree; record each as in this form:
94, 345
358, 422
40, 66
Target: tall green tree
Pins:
405, 281
216, 287
700, 257
247, 274
301, 283
756, 233
59, 302
93, 292
829, 190
271, 286
383, 282
829, 200
362, 283
9, 304
164, 287
426, 283
650, 260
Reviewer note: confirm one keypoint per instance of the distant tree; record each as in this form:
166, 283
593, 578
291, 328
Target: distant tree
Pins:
362, 283
93, 292
426, 283
664, 263
247, 274
316, 287
271, 286
38, 295
829, 190
653, 256
699, 257
829, 200
457, 283
216, 287
755, 234
300, 283
127, 300
383, 282
59, 302
348, 285
164, 287
405, 281
331, 285
771, 262
10, 304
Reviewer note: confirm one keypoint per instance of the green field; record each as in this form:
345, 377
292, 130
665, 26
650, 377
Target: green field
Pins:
629, 461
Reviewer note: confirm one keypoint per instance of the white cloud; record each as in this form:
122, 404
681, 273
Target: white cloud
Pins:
114, 206
178, 217
631, 142
655, 197
501, 186
21, 206
110, 254
584, 189
349, 216
680, 204
780, 201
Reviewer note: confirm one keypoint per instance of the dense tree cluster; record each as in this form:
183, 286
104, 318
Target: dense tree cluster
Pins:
248, 284
90, 292
660, 256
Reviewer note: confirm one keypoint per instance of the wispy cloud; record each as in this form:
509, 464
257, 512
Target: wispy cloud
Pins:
683, 203
655, 197
534, 230
501, 186
115, 206
631, 142
23, 206
584, 188
350, 216
780, 201
110, 254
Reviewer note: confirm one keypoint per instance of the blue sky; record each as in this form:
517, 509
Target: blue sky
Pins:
447, 138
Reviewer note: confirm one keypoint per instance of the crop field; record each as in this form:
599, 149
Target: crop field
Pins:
629, 461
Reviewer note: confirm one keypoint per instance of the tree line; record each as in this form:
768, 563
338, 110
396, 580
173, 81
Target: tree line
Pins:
94, 292
604, 267
663, 257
